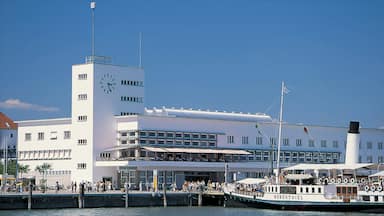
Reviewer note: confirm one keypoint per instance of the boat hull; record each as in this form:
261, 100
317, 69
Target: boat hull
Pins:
237, 201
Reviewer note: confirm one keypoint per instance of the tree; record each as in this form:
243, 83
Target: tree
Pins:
23, 169
42, 169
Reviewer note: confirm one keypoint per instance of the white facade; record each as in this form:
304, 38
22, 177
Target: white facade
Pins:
111, 133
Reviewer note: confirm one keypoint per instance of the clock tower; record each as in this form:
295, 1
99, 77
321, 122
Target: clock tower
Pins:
100, 91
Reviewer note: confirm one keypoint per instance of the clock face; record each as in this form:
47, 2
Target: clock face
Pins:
107, 83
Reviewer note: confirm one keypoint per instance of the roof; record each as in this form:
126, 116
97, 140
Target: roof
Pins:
298, 176
6, 122
186, 150
252, 181
206, 114
331, 166
379, 174
197, 150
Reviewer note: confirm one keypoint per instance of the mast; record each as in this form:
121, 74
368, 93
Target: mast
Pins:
140, 47
283, 90
93, 6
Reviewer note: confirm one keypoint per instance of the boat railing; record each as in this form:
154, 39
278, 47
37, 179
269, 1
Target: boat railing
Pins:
251, 192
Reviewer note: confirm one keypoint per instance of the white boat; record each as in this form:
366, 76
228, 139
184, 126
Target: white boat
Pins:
351, 186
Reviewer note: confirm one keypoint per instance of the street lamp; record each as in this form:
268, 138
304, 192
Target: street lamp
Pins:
5, 169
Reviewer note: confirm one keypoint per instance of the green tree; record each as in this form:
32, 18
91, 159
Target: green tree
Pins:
23, 169
42, 169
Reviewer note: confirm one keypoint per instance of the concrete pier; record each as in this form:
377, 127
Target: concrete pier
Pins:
110, 199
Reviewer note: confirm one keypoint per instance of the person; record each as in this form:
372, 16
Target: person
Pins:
57, 186
75, 187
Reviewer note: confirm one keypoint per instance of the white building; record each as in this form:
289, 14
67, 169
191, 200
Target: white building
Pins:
8, 137
111, 136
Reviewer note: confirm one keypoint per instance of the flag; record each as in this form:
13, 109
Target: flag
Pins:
306, 130
285, 89
258, 131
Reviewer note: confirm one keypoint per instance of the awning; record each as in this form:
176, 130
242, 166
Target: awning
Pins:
252, 181
197, 150
379, 174
331, 166
298, 176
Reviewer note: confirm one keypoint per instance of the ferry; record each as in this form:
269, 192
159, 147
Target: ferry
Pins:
346, 187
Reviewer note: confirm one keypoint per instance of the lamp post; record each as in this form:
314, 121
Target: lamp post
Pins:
5, 154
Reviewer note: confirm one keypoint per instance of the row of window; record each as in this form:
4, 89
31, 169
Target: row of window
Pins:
169, 135
285, 141
370, 144
82, 97
132, 99
173, 142
369, 159
82, 118
82, 76
128, 113
301, 157
53, 135
58, 172
82, 142
81, 166
58, 154
132, 83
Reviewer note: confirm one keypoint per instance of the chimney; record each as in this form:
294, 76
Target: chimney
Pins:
353, 140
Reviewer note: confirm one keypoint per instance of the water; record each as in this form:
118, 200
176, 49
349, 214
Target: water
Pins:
172, 211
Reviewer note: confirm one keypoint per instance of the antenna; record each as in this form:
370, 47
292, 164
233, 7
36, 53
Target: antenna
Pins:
93, 6
140, 46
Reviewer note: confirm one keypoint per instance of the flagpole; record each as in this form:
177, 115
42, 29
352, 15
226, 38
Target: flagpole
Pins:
280, 127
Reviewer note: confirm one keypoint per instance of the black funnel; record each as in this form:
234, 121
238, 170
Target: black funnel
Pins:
354, 127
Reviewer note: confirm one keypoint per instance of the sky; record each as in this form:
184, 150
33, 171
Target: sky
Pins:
222, 55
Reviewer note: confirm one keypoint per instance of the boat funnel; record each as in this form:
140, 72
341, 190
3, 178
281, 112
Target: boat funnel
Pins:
353, 141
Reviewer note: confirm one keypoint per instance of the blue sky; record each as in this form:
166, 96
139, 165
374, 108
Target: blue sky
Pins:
217, 55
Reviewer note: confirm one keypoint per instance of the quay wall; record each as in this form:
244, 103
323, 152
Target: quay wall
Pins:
98, 200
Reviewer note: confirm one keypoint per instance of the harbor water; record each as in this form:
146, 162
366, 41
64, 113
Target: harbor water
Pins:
171, 211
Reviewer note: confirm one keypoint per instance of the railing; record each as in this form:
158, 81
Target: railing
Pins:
98, 59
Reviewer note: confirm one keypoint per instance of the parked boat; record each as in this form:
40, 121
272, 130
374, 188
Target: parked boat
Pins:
350, 186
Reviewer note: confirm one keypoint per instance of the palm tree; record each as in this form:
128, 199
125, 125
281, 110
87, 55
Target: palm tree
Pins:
23, 169
42, 169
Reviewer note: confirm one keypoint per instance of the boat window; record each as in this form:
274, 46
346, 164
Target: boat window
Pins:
301, 189
287, 190
376, 198
306, 190
313, 190
319, 189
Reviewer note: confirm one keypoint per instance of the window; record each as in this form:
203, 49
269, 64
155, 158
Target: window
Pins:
82, 118
212, 136
369, 159
230, 139
311, 143
82, 97
132, 99
259, 140
40, 136
286, 141
67, 134
272, 141
81, 166
380, 159
28, 137
323, 143
53, 135
132, 83
123, 142
244, 140
380, 145
369, 145
298, 142
170, 135
335, 144
82, 142
82, 76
